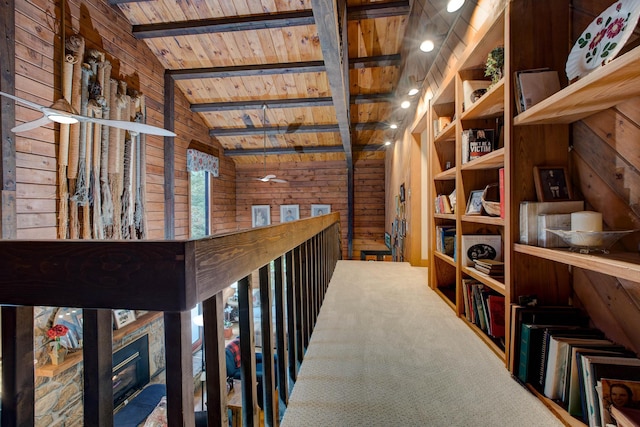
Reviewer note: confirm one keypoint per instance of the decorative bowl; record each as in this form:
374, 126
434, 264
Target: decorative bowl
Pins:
590, 241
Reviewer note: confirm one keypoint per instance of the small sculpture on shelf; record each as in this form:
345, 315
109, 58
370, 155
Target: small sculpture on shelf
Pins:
57, 352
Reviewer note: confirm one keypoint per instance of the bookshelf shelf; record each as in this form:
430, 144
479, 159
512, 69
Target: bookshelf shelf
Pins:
483, 219
445, 216
446, 258
489, 106
498, 350
599, 90
485, 279
448, 134
558, 410
449, 174
625, 265
493, 160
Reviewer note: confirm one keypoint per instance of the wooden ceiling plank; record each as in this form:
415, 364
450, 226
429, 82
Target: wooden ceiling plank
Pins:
224, 25
299, 150
275, 130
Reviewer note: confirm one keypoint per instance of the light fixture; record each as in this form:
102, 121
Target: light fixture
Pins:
62, 106
413, 91
405, 104
393, 126
414, 87
454, 5
387, 143
427, 46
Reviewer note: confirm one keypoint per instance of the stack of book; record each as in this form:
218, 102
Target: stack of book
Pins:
489, 266
484, 307
445, 240
572, 364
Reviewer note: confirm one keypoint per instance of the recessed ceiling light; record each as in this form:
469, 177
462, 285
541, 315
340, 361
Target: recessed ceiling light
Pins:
413, 91
454, 5
427, 46
405, 104
387, 143
393, 126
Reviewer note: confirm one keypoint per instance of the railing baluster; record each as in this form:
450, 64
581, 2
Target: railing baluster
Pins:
299, 331
281, 344
306, 294
216, 369
247, 353
18, 393
266, 320
97, 326
177, 344
292, 311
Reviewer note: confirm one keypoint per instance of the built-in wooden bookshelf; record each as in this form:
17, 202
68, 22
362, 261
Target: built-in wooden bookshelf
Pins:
534, 36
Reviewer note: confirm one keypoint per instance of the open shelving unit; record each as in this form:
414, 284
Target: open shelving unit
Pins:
541, 135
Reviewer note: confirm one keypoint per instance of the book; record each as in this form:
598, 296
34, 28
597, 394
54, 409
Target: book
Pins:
626, 417
475, 246
537, 85
476, 143
496, 315
546, 239
501, 191
529, 212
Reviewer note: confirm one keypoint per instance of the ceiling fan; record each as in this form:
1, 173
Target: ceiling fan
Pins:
62, 112
266, 177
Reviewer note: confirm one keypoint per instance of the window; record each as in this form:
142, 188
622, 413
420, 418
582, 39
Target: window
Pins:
200, 226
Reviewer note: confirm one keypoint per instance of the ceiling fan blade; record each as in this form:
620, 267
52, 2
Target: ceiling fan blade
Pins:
31, 125
279, 180
270, 176
130, 126
24, 101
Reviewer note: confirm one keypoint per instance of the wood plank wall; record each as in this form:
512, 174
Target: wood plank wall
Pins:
605, 165
318, 183
38, 79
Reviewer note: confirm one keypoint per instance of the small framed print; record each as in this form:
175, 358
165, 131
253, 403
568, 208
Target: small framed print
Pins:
317, 210
552, 183
289, 213
123, 317
402, 193
474, 205
260, 215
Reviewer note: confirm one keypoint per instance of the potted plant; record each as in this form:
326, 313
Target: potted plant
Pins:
57, 352
228, 330
495, 64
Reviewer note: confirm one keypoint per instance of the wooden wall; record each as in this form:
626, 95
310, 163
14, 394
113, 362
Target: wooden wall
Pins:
38, 79
318, 183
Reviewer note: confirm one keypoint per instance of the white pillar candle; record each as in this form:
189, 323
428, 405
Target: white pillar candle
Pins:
586, 221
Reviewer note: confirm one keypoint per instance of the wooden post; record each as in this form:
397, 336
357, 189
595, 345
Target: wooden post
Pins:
266, 323
98, 367
281, 344
292, 316
216, 369
177, 344
247, 354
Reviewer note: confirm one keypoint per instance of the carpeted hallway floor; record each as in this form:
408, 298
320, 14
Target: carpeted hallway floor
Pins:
387, 351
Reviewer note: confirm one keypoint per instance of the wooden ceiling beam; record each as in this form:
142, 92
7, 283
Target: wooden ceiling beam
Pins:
248, 70
299, 150
378, 10
375, 61
279, 130
261, 21
326, 101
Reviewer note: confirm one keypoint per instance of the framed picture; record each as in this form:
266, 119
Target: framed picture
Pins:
317, 210
387, 239
260, 215
474, 205
289, 213
402, 193
123, 317
551, 183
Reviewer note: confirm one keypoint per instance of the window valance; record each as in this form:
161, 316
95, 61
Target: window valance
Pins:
199, 161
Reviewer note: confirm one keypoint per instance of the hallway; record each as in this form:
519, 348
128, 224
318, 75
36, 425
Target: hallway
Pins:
387, 351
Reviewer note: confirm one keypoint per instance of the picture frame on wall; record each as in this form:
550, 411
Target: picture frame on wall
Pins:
260, 215
474, 205
289, 213
402, 193
123, 317
317, 210
552, 183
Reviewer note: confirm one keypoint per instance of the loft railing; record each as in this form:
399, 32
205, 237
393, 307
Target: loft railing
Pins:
172, 277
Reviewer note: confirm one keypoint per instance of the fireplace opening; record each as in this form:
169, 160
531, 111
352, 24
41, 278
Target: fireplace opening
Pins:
130, 370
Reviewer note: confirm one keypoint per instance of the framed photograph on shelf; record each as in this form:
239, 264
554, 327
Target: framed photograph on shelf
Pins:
552, 184
123, 317
317, 210
474, 205
289, 213
260, 215
402, 193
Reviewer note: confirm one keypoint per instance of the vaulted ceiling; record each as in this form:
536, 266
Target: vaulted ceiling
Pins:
300, 80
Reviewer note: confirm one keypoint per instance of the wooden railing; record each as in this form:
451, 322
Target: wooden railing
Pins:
172, 277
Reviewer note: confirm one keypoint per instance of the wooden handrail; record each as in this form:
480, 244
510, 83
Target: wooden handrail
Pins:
167, 276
